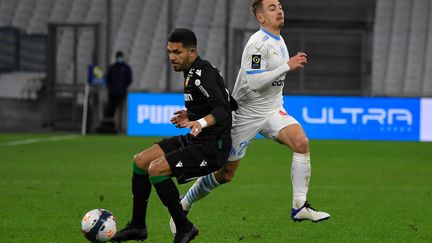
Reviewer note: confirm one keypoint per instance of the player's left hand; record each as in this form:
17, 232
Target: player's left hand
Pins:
298, 61
180, 118
195, 128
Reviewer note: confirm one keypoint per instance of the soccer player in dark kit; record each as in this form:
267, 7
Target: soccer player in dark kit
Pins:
202, 151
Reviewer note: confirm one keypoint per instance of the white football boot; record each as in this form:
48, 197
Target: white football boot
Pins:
306, 212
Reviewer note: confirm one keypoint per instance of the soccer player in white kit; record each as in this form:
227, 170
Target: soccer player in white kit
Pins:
258, 91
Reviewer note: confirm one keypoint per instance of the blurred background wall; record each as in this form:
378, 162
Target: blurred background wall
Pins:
356, 48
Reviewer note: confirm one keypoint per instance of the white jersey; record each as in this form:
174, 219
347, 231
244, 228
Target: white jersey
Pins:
259, 85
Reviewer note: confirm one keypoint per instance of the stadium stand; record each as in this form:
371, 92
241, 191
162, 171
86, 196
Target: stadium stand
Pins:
416, 48
239, 18
399, 39
186, 13
139, 27
39, 19
23, 14
145, 32
383, 20
402, 48
60, 11
128, 27
216, 39
118, 11
65, 51
86, 39
427, 77
155, 69
204, 15
7, 11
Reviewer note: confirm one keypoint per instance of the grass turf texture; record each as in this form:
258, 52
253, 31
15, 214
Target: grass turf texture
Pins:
375, 192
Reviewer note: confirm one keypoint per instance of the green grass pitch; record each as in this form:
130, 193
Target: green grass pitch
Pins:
375, 191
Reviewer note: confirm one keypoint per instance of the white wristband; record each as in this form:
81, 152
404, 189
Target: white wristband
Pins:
202, 122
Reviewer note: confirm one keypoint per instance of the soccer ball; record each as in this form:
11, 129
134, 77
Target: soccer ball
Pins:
98, 225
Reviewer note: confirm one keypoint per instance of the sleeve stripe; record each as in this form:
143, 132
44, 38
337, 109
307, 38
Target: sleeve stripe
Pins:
255, 71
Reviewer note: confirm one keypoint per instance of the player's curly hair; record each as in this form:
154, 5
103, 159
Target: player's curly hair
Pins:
256, 5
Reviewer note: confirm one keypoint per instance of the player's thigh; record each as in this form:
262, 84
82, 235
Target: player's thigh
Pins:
294, 137
276, 122
198, 159
285, 129
159, 167
145, 157
242, 133
166, 145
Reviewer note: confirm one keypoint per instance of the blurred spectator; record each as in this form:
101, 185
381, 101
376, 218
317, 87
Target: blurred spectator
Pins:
118, 79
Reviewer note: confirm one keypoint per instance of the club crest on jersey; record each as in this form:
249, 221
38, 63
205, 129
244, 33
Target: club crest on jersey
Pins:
197, 82
256, 61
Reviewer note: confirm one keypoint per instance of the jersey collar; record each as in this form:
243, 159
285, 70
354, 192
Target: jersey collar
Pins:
197, 61
270, 34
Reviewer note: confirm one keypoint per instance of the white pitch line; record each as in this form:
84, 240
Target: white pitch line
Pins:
39, 140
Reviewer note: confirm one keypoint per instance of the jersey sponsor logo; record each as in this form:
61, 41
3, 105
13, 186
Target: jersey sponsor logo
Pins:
256, 61
188, 97
203, 163
179, 164
360, 116
278, 83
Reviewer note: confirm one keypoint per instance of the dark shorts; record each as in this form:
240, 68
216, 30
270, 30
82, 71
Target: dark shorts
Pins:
190, 158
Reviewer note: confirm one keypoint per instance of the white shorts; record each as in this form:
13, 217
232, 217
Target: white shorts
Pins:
245, 128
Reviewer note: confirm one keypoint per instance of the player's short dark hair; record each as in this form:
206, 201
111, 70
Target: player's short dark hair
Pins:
256, 6
185, 36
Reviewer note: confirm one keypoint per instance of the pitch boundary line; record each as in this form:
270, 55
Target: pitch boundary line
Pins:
40, 140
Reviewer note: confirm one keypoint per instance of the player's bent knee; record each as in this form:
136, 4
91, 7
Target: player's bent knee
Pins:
139, 161
301, 146
154, 170
159, 167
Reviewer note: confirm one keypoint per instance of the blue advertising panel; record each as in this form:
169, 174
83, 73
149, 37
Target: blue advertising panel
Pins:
356, 118
352, 118
150, 114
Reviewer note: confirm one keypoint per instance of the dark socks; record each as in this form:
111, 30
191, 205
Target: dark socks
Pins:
141, 188
170, 197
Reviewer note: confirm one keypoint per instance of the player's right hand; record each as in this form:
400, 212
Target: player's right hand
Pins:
195, 127
180, 119
298, 61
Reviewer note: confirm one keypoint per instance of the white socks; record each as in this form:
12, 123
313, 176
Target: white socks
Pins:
300, 176
203, 186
